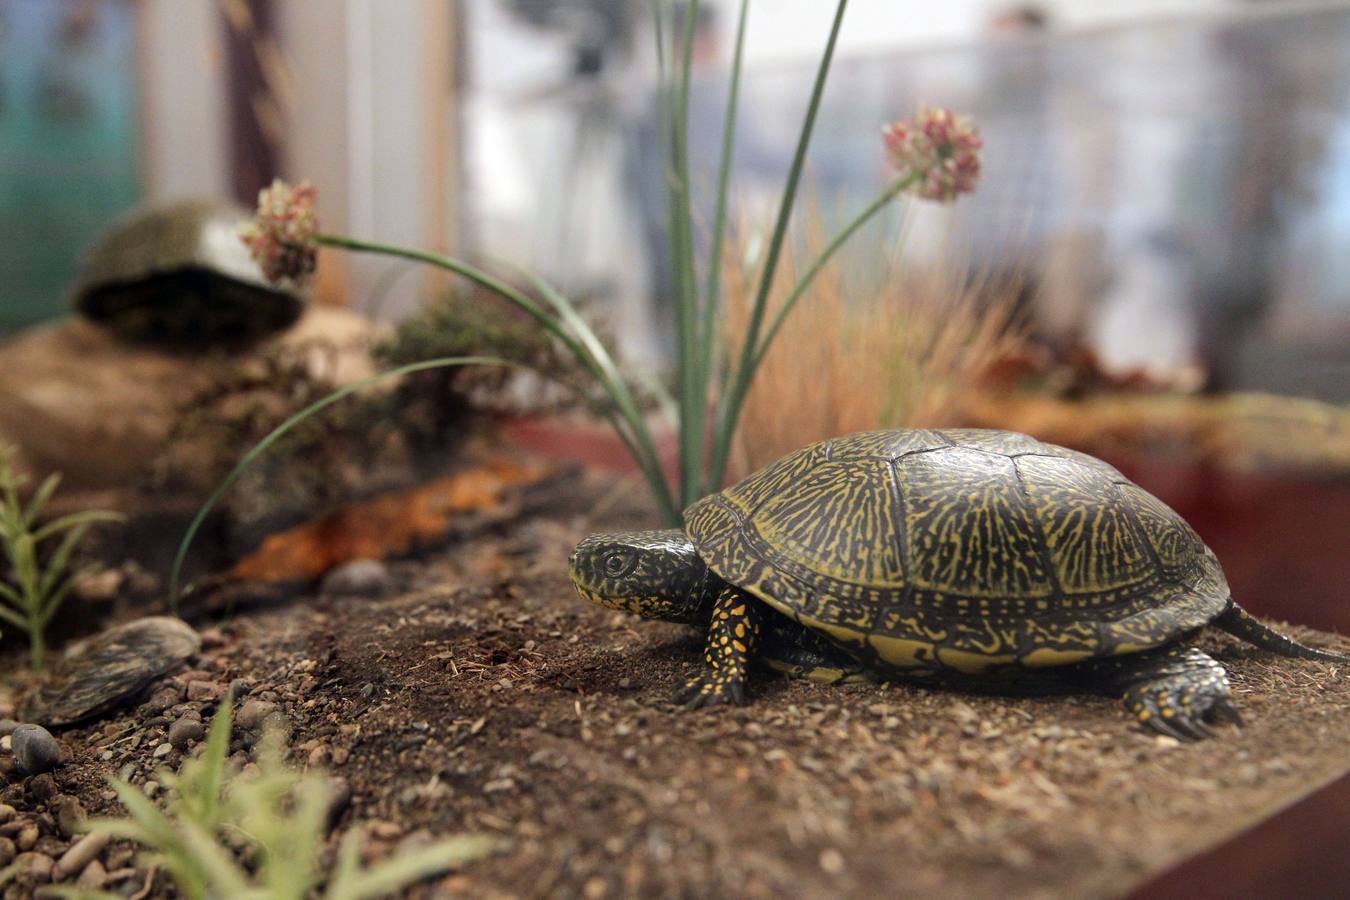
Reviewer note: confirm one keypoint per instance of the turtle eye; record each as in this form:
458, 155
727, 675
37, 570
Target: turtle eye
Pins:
619, 563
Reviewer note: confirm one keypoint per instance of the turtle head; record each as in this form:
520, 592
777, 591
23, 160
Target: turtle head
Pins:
656, 574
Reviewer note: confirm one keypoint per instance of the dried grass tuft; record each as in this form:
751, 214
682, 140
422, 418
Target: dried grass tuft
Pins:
878, 342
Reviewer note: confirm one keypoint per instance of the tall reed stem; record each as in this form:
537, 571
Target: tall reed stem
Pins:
733, 391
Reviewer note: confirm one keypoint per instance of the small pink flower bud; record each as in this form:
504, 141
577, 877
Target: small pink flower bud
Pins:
942, 148
281, 237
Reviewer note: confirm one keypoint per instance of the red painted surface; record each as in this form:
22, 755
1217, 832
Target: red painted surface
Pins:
1283, 540
1298, 853
585, 443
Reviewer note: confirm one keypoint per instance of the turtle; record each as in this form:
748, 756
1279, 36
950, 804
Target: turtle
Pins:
970, 558
177, 275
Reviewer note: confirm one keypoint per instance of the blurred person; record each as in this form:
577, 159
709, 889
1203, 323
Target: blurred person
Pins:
1161, 77
1279, 78
1012, 213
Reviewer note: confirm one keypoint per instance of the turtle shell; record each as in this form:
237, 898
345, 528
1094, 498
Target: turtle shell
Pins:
178, 275
961, 549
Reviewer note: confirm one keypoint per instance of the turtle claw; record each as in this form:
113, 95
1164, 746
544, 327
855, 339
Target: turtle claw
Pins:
1182, 706
709, 690
1224, 711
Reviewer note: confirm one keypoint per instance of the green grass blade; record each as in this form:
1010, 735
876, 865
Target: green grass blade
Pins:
9, 615
280, 431
86, 517
51, 603
403, 869
26, 571
212, 763
38, 502
203, 854
600, 363
664, 399
57, 564
347, 865
692, 405
659, 29
158, 830
497, 286
8, 593
733, 395
712, 294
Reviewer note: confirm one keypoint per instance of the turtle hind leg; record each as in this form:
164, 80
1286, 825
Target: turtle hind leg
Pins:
1238, 622
789, 647
1177, 691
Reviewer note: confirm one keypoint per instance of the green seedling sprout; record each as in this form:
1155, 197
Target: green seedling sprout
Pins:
279, 813
39, 585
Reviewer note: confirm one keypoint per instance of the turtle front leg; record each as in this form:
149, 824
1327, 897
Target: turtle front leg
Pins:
1177, 691
733, 635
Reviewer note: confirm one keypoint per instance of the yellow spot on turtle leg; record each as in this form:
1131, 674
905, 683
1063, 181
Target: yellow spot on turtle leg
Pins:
731, 639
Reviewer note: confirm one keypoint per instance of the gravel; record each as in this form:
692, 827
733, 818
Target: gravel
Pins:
185, 732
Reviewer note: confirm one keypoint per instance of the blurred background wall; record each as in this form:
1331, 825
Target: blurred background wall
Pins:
1173, 177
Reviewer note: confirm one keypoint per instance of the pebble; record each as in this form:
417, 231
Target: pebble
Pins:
81, 853
42, 788
6, 813
339, 795
7, 851
358, 578
70, 815
118, 858
7, 726
37, 866
27, 837
199, 691
185, 731
385, 830
831, 861
253, 713
163, 750
162, 699
93, 878
35, 750
51, 845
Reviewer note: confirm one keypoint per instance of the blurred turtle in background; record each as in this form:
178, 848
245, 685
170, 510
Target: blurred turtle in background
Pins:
177, 276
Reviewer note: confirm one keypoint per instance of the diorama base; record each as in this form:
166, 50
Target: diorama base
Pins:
486, 696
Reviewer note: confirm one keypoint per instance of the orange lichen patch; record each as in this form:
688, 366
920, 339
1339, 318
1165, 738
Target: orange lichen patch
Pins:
389, 525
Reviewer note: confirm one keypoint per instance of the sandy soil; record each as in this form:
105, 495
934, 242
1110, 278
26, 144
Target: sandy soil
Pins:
486, 696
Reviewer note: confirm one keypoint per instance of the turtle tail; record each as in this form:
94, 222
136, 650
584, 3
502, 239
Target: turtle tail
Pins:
1238, 622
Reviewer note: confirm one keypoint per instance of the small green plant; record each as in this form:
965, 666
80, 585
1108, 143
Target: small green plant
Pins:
39, 586
277, 815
